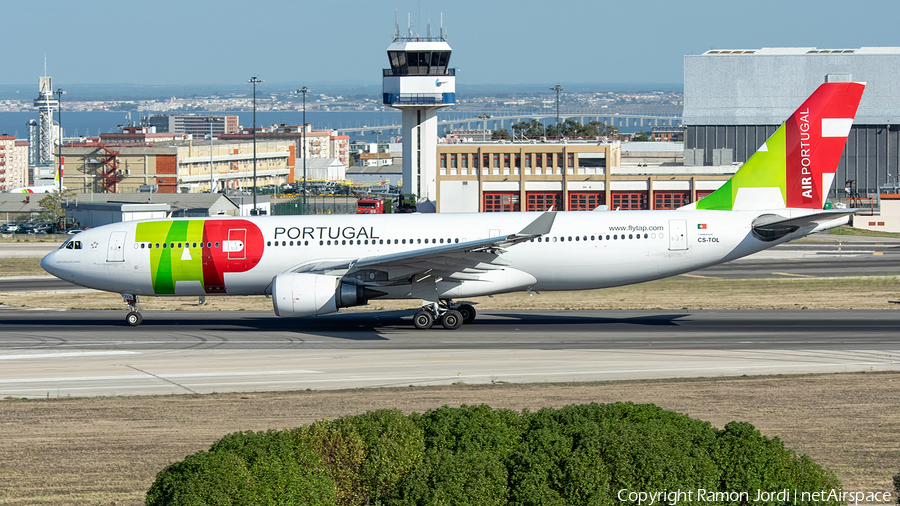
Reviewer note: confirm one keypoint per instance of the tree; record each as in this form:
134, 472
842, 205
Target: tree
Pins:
52, 204
500, 134
533, 128
641, 137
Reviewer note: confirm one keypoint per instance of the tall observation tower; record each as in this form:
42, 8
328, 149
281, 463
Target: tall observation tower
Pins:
419, 83
46, 105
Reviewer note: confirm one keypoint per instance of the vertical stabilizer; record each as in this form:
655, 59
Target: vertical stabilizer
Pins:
795, 167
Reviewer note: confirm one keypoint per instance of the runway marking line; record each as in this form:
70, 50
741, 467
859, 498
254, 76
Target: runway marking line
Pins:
794, 275
699, 276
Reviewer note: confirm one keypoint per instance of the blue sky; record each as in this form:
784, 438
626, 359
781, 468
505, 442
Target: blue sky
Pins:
191, 42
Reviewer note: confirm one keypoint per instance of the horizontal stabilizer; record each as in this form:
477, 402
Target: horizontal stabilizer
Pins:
771, 227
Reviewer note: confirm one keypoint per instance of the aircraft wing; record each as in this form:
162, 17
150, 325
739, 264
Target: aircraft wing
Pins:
455, 261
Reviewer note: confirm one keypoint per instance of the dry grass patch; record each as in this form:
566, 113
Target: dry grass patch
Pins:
105, 450
678, 293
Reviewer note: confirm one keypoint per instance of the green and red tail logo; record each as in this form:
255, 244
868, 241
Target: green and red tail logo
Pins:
199, 250
796, 166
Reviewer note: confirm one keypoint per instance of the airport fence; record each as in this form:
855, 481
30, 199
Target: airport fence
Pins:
315, 204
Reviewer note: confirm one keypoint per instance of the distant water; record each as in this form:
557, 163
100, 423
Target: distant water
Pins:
86, 124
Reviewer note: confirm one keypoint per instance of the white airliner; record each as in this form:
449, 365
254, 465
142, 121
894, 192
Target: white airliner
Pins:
314, 265
46, 188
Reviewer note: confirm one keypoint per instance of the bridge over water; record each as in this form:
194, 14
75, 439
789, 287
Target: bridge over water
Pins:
496, 122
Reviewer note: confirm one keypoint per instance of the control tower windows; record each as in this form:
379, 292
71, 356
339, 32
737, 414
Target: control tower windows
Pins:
419, 63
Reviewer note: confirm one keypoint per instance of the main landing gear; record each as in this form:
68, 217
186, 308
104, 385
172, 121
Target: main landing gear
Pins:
451, 315
133, 318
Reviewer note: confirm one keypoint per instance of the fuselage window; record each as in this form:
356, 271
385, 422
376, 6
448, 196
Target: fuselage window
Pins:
142, 245
321, 243
268, 243
329, 243
426, 241
540, 239
615, 236
164, 245
630, 236
645, 236
554, 239
576, 237
592, 238
217, 244
194, 245
455, 240
417, 240
179, 245
404, 241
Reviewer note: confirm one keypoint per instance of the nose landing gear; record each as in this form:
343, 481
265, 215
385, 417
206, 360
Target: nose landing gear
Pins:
133, 318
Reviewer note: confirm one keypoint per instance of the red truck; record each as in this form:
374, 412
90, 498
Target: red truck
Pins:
369, 206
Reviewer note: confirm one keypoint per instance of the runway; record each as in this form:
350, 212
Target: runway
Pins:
77, 353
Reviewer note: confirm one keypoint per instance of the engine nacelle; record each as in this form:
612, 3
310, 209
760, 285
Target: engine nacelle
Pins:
295, 295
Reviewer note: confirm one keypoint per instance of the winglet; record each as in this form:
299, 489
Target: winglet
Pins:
540, 226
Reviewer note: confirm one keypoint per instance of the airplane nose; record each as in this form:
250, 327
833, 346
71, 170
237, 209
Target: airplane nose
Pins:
47, 263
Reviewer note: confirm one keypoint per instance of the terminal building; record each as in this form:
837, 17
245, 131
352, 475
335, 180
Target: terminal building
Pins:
569, 176
735, 99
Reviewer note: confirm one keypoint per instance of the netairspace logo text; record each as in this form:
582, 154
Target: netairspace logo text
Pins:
673, 497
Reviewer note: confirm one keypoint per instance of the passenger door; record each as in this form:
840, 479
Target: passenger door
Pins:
678, 235
235, 246
116, 251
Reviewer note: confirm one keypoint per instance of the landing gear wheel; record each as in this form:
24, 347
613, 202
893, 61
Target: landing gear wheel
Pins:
452, 319
423, 320
134, 318
467, 312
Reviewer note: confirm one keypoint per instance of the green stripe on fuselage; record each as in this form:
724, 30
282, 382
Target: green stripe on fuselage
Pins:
168, 264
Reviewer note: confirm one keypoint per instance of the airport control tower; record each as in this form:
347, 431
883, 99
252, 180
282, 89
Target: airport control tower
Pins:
419, 83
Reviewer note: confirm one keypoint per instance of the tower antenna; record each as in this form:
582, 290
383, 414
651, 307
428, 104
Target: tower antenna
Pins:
396, 26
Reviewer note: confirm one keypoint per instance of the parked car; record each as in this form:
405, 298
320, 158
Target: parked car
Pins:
25, 229
9, 228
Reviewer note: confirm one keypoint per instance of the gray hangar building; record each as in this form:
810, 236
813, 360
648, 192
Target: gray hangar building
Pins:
735, 99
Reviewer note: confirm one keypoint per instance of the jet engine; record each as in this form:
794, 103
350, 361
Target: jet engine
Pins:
295, 295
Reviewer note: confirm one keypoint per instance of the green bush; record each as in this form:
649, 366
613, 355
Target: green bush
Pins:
481, 456
749, 461
586, 454
897, 487
246, 468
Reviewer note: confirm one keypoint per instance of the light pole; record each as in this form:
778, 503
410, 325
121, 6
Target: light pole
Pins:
484, 117
212, 176
303, 91
253, 80
558, 89
59, 93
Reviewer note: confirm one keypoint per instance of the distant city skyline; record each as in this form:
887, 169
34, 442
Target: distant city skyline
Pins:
205, 42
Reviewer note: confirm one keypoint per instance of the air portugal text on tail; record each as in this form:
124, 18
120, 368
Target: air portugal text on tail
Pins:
315, 265
795, 167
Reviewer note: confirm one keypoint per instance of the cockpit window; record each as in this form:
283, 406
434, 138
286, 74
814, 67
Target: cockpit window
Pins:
73, 245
